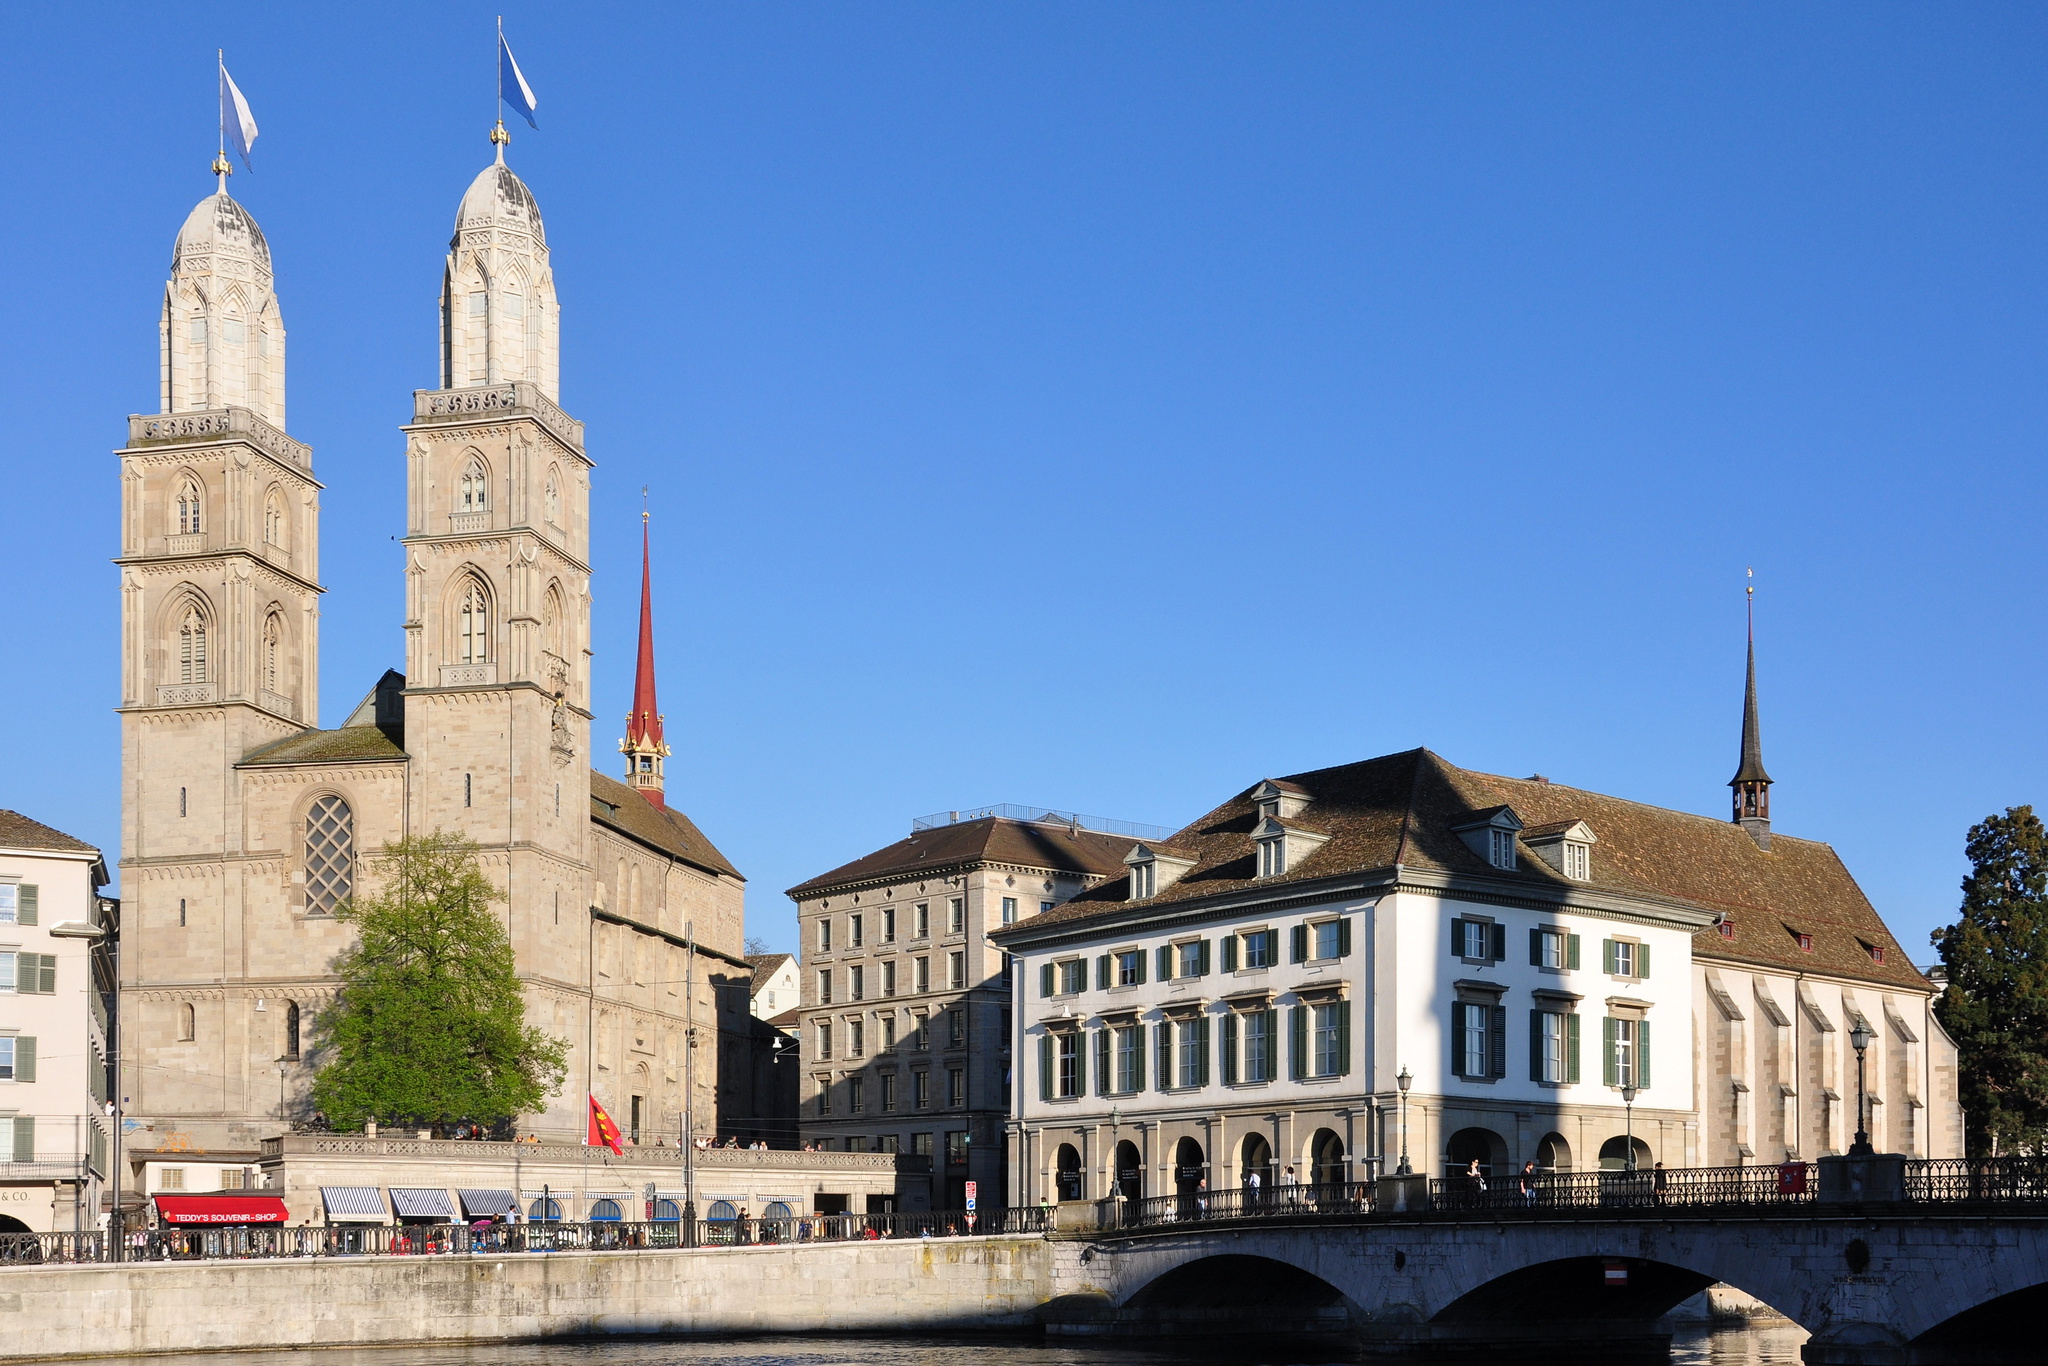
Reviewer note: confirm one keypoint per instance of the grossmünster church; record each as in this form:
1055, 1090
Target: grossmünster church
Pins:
245, 826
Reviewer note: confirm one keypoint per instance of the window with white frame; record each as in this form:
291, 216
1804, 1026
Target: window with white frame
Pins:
1261, 948
1192, 1067
889, 977
888, 924
824, 986
856, 1038
1130, 968
956, 915
921, 920
824, 934
856, 983
923, 974
1476, 1024
1129, 1057
1327, 1029
1329, 939
1500, 849
1067, 1050
956, 970
1554, 1046
1144, 878
1272, 856
1073, 976
1009, 910
854, 937
1578, 860
1259, 1052
824, 1041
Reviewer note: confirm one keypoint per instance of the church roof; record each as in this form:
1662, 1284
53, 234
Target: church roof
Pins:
350, 744
23, 832
1401, 811
614, 804
992, 839
499, 197
218, 224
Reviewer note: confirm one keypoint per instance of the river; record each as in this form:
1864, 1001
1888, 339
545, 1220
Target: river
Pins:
1691, 1346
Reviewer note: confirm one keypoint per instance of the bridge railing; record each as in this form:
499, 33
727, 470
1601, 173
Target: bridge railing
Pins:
1686, 1187
238, 1243
1978, 1180
1269, 1202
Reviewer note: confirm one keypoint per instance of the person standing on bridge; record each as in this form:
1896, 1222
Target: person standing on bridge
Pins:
1529, 1183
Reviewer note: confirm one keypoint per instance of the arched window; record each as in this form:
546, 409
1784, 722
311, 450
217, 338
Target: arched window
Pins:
273, 520
667, 1211
291, 1030
273, 651
192, 645
472, 493
188, 504
605, 1212
545, 1212
552, 499
330, 855
473, 625
188, 1022
722, 1209
551, 623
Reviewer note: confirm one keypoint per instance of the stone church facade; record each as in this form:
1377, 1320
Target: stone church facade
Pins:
245, 827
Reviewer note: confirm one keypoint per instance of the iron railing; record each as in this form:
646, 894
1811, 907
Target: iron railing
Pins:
1271, 1202
1644, 1189
237, 1242
1978, 1180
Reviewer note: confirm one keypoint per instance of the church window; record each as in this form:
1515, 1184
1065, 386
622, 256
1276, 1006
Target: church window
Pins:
188, 1023
330, 855
553, 497
473, 493
188, 504
291, 1030
181, 801
467, 788
181, 912
273, 520
473, 625
192, 647
273, 648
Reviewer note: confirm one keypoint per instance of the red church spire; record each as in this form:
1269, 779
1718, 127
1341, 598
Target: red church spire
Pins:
643, 746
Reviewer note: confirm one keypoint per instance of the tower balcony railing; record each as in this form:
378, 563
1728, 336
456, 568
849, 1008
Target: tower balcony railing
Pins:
166, 429
514, 398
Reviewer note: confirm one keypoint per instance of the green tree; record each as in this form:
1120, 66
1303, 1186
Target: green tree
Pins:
429, 1027
1996, 1004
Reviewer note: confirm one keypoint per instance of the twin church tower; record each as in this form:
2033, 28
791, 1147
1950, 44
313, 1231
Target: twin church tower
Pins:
244, 826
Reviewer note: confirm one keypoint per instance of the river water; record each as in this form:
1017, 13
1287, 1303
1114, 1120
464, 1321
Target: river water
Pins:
1690, 1346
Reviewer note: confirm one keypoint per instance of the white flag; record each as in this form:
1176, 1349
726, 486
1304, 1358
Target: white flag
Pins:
237, 124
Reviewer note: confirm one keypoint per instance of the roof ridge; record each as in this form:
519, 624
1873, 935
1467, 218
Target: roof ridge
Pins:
1408, 811
1631, 801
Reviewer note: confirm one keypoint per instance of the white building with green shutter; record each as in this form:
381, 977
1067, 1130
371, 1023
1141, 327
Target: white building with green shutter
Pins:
1564, 978
54, 985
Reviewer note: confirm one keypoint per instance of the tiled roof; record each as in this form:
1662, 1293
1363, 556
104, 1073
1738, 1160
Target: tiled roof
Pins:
350, 744
22, 832
765, 966
622, 808
1399, 810
992, 839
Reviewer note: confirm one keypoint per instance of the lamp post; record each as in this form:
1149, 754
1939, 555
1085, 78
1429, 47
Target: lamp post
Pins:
280, 1088
1860, 1038
1628, 1109
1116, 1174
72, 929
1403, 1081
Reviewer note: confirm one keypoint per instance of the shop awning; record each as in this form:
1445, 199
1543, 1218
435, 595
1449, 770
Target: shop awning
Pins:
220, 1209
486, 1204
422, 1204
353, 1204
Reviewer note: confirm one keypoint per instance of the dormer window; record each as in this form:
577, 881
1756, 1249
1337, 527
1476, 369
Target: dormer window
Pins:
1272, 856
1279, 800
1144, 877
1565, 845
1501, 848
1491, 835
1282, 847
1154, 869
1578, 860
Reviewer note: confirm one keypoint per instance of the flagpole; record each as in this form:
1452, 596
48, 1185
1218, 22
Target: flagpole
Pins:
499, 137
221, 169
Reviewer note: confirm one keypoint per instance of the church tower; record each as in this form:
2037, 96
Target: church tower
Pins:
497, 628
646, 752
1751, 784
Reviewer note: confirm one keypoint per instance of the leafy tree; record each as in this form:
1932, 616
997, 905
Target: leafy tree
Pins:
429, 1026
1996, 1004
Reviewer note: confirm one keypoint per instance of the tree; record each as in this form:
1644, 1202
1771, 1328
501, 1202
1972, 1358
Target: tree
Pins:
1996, 1004
429, 1027
756, 946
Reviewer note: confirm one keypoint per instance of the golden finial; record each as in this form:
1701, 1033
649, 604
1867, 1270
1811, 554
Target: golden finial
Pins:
499, 135
220, 165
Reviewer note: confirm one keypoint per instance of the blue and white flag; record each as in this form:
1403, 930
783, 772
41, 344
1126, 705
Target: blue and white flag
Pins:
237, 124
512, 86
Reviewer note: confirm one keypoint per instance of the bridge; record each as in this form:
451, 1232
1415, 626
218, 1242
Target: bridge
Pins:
1886, 1261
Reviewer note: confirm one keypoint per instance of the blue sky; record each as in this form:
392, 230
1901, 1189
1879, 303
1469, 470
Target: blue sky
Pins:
1105, 407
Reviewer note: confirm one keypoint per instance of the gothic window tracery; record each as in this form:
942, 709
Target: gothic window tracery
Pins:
273, 520
273, 652
188, 507
473, 491
192, 645
473, 625
330, 854
552, 500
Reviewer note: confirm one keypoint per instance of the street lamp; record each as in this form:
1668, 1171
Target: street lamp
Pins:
1628, 1109
280, 1088
1860, 1038
1116, 1172
1403, 1081
74, 929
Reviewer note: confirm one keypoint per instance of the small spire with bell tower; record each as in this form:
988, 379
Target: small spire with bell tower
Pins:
1751, 784
643, 746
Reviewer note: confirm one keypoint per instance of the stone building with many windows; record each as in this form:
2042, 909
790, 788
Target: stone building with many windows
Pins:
1559, 976
906, 1014
245, 827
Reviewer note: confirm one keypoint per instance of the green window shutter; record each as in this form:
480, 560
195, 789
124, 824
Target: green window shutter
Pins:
1167, 1079
1138, 1061
1202, 1051
25, 1059
1610, 1069
1497, 1046
1202, 958
1102, 972
1166, 962
1535, 948
25, 973
24, 1138
1297, 944
1536, 1045
1297, 1041
1344, 937
1045, 1067
1045, 971
47, 982
1230, 953
1500, 943
1226, 1047
1081, 1063
1642, 1053
1141, 967
25, 909
1571, 1047
1105, 1077
1343, 1038
1607, 956
1457, 1038
1642, 960
1457, 938
1571, 951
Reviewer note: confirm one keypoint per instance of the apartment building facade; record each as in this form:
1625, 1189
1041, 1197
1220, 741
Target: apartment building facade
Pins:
906, 1008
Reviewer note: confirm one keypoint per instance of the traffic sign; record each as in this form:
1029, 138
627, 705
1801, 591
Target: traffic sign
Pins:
970, 1196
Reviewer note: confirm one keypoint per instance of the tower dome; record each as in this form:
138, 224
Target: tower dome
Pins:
221, 335
499, 316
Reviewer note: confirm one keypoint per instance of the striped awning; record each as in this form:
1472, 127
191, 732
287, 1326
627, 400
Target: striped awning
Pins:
422, 1204
481, 1204
353, 1204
